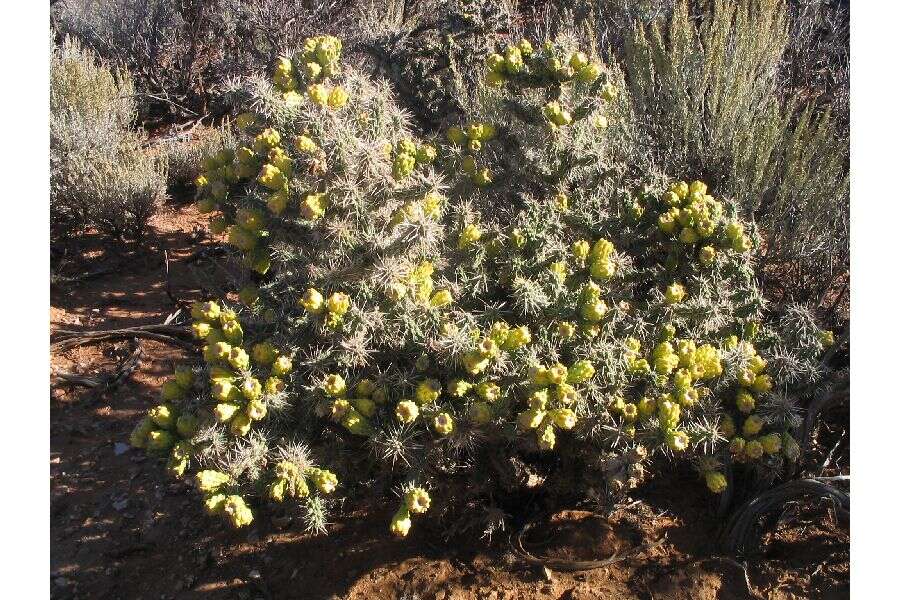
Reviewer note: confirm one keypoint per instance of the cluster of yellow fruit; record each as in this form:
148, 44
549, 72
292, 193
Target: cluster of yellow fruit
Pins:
598, 257
693, 216
419, 286
551, 65
213, 485
472, 138
416, 501
430, 206
239, 396
688, 365
290, 481
406, 156
217, 174
500, 338
552, 392
592, 308
333, 309
750, 443
693, 363
352, 413
317, 61
166, 428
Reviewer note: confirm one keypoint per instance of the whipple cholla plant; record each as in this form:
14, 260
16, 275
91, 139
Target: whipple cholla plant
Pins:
505, 310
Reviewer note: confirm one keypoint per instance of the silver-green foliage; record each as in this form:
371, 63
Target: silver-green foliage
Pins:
707, 95
100, 173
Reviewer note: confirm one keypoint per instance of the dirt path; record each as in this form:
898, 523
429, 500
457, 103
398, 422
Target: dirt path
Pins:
121, 529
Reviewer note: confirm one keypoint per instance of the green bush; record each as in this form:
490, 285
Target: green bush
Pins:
101, 175
507, 309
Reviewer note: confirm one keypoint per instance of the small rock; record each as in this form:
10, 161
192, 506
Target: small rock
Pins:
254, 574
547, 573
120, 448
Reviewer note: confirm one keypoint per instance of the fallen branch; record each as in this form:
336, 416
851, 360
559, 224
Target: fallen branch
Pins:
175, 335
104, 381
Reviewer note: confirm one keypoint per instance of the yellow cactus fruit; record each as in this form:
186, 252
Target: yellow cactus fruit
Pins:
365, 406
163, 415
209, 481
488, 391
312, 300
282, 366
237, 511
677, 440
256, 410
745, 402
417, 500
565, 330
313, 206
674, 293
338, 97
470, 234
171, 391
475, 362
771, 443
727, 427
140, 433
441, 298
752, 425
225, 411
334, 385
531, 419
537, 400
443, 424
546, 438
318, 93
459, 388
716, 482
338, 303
564, 418
401, 522
240, 425
762, 384
406, 411
754, 449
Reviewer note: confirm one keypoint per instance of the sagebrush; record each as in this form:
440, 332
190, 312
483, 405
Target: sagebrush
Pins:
101, 174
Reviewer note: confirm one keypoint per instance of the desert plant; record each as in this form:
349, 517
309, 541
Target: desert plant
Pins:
424, 48
180, 52
184, 152
100, 173
707, 98
506, 309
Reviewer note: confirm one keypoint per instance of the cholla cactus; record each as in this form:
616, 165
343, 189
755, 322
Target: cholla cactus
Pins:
506, 293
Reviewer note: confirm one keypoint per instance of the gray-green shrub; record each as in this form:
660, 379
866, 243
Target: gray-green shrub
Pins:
101, 175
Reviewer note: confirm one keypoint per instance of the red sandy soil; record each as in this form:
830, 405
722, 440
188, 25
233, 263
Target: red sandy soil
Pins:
121, 529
